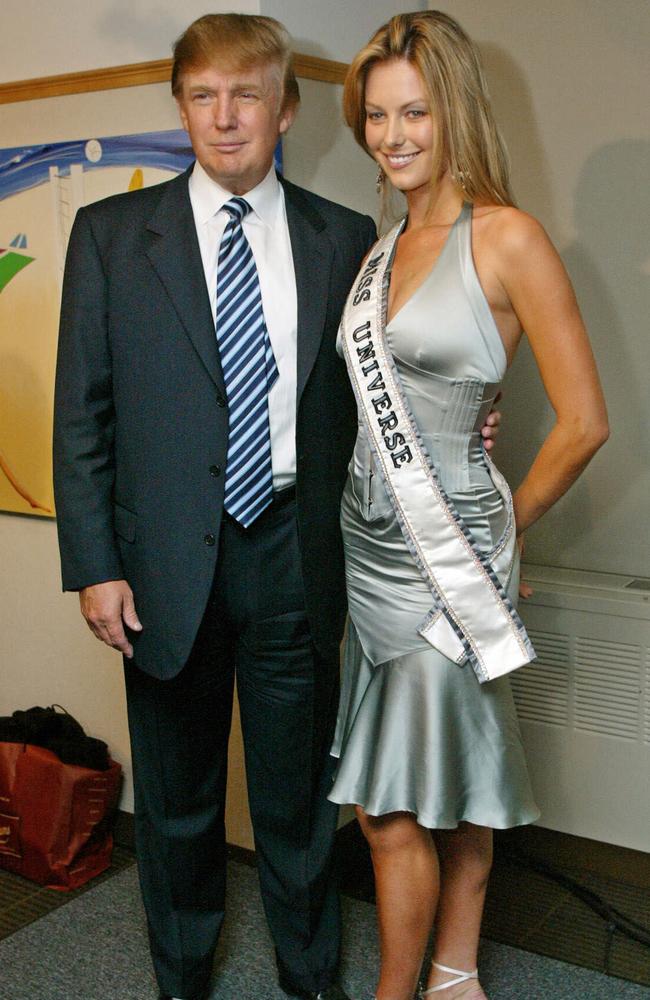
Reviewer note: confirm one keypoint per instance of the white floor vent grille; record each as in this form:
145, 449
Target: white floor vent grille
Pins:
608, 685
584, 705
646, 727
542, 690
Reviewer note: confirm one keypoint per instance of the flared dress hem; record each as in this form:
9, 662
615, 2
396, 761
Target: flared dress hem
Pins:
439, 823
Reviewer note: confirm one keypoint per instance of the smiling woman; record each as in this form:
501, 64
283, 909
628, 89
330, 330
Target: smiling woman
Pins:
451, 81
427, 735
400, 131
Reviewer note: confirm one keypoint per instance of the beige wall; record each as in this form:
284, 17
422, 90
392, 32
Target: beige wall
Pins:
46, 652
40, 39
335, 29
570, 84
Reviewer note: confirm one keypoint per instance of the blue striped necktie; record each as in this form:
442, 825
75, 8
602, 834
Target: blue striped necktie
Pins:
249, 371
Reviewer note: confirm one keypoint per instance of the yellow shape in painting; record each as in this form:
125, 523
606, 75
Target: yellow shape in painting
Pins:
10, 265
29, 309
20, 489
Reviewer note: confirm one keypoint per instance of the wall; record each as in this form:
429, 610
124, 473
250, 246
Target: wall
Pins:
569, 83
579, 165
38, 38
46, 652
336, 29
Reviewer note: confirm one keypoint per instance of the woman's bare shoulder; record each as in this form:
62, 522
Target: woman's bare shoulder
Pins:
511, 231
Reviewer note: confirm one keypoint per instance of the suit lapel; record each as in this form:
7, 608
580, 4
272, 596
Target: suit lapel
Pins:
175, 255
312, 260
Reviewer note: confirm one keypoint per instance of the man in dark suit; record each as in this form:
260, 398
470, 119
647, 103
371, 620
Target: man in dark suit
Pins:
191, 594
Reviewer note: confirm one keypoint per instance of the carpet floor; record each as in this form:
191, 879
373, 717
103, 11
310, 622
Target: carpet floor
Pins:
95, 948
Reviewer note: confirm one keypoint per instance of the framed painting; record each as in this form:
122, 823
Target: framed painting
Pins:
41, 188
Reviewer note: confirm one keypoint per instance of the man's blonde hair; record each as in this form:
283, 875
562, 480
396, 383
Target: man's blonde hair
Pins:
236, 41
450, 67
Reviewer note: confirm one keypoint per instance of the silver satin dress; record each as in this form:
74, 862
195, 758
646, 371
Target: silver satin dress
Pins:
417, 732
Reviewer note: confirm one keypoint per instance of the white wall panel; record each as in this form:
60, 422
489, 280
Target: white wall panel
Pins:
336, 29
569, 83
40, 39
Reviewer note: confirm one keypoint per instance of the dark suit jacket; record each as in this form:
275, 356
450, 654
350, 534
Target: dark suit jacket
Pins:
141, 420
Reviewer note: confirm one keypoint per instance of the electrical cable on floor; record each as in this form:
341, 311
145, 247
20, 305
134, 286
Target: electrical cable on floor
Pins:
609, 941
616, 921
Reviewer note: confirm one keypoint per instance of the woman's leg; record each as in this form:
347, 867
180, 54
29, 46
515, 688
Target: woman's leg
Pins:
405, 862
465, 860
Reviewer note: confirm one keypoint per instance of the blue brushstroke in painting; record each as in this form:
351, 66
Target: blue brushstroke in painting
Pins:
26, 167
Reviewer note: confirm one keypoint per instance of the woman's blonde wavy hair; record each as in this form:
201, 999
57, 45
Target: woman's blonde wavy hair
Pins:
450, 67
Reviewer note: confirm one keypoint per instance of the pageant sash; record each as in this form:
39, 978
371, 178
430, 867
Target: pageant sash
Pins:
472, 616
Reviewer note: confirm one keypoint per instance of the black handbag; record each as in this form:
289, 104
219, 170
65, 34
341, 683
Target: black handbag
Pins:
56, 730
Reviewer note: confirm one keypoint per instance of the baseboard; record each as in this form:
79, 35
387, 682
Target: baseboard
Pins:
564, 850
560, 850
242, 854
123, 829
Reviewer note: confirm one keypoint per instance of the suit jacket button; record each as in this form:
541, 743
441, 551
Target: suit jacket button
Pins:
220, 400
215, 470
209, 539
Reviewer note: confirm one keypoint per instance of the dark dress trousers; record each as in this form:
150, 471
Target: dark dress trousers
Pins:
140, 441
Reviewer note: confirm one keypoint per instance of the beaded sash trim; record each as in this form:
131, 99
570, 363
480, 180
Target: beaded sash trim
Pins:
472, 616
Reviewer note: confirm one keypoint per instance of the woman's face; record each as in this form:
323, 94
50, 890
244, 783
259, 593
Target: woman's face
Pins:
400, 131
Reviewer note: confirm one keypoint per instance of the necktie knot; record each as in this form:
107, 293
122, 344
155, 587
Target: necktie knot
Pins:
237, 208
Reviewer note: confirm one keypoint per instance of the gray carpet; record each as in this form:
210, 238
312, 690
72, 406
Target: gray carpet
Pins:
95, 948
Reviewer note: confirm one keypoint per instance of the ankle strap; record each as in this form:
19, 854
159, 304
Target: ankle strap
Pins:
461, 977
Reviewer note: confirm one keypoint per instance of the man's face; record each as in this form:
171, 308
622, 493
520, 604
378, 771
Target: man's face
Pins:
234, 120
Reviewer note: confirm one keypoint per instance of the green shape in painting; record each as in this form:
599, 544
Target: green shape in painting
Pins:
10, 264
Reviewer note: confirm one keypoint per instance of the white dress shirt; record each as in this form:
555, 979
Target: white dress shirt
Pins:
267, 232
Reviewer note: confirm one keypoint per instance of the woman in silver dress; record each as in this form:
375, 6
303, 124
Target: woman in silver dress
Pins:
431, 533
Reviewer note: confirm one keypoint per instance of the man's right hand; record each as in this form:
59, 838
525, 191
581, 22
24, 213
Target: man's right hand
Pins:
107, 608
490, 428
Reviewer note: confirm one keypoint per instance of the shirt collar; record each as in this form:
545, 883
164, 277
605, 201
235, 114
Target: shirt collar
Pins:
208, 197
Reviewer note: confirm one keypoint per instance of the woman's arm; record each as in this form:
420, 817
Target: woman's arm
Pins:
541, 296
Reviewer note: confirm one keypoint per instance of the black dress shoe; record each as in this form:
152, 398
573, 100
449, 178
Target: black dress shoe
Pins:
334, 992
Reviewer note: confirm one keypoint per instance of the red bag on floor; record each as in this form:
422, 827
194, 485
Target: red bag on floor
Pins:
54, 817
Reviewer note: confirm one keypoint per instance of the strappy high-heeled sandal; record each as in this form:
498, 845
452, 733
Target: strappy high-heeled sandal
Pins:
461, 977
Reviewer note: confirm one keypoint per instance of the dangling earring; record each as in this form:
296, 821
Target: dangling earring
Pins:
461, 178
379, 183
